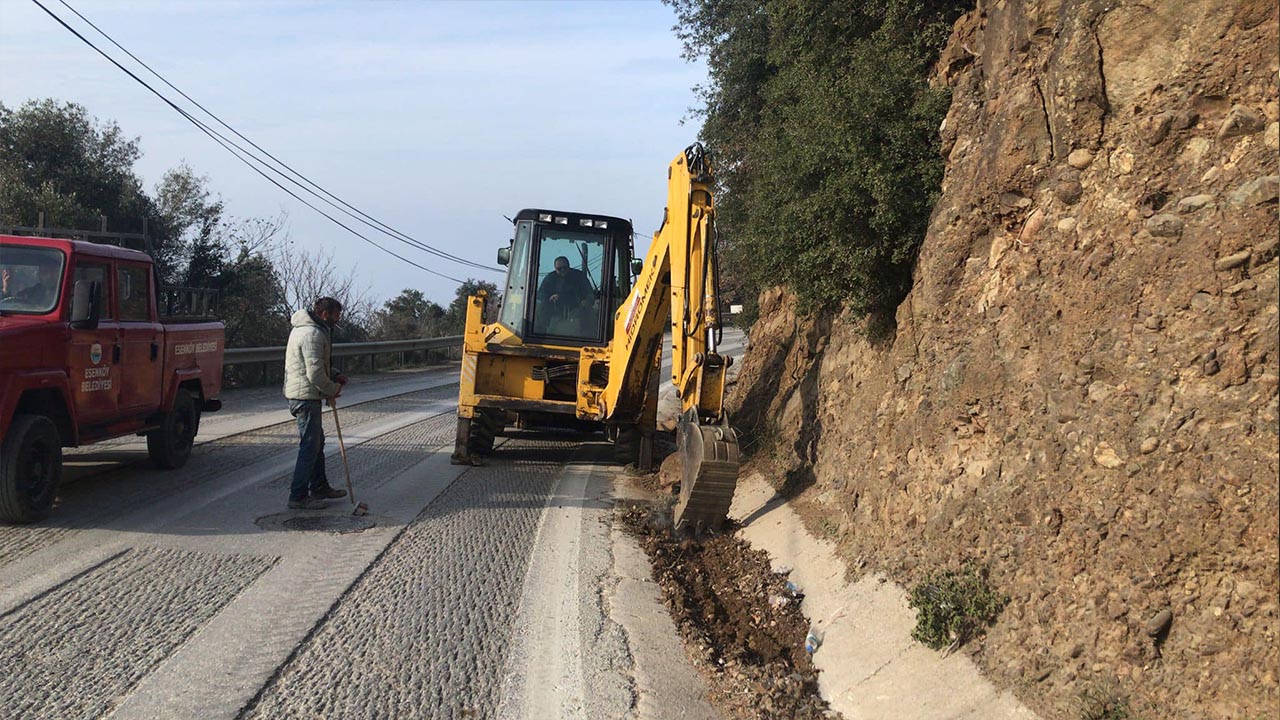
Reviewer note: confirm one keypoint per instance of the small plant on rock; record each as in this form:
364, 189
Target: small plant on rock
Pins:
951, 606
1104, 702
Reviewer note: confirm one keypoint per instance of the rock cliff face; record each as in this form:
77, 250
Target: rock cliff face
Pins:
1082, 389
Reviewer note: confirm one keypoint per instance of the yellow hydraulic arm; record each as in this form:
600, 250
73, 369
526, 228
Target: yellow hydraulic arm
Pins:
677, 288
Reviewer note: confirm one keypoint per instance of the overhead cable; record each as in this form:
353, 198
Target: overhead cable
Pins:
249, 158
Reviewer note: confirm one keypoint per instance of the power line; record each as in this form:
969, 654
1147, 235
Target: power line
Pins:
248, 157
216, 138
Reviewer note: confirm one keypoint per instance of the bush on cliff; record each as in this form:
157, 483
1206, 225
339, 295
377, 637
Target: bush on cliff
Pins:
824, 131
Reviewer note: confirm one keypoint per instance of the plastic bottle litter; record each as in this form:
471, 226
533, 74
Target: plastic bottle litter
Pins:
813, 640
794, 590
778, 601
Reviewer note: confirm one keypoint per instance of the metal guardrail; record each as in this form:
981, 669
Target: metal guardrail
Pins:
242, 356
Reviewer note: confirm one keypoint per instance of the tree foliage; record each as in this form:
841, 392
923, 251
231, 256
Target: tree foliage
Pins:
455, 319
58, 160
823, 128
409, 315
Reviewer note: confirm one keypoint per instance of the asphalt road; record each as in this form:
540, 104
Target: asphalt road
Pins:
495, 591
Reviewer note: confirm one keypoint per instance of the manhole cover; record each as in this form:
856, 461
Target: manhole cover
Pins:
329, 523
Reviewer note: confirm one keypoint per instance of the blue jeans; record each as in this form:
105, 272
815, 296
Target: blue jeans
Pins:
308, 474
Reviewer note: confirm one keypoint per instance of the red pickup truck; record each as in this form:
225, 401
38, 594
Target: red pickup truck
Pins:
85, 356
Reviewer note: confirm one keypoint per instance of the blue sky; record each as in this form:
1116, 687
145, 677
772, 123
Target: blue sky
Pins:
435, 117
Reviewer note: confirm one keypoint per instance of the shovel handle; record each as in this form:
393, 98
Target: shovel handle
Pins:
346, 469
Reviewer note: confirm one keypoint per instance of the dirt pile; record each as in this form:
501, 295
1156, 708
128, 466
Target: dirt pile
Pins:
742, 625
1081, 393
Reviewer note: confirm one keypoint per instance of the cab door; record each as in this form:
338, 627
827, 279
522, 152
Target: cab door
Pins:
141, 340
94, 355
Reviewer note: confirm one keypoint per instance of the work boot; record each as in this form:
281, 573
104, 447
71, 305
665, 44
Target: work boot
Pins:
309, 503
328, 493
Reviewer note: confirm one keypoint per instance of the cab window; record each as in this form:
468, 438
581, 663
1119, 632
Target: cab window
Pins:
101, 274
570, 274
134, 292
621, 277
513, 300
30, 279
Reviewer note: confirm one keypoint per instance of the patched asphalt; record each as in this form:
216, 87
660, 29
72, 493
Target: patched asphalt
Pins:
74, 651
423, 633
96, 500
194, 593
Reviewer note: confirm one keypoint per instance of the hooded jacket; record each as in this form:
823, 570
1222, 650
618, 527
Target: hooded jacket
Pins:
307, 373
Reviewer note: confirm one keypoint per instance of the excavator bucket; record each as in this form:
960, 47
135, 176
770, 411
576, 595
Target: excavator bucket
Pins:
709, 455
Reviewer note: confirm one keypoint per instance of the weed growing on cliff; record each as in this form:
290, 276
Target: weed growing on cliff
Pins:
952, 606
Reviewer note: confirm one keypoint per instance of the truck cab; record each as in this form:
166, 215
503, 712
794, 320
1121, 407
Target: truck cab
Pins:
85, 355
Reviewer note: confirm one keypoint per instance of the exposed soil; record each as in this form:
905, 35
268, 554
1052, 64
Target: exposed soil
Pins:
741, 626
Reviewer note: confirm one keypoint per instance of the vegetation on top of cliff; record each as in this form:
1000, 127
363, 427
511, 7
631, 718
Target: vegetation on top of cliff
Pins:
824, 130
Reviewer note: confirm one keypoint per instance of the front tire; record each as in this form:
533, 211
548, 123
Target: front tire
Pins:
484, 429
170, 445
30, 469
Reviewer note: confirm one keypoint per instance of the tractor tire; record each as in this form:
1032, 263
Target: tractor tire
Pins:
170, 445
484, 428
30, 469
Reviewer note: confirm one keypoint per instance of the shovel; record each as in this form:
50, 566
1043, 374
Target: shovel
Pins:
358, 509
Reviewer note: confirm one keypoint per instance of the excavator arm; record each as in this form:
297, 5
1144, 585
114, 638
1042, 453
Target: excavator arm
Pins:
677, 288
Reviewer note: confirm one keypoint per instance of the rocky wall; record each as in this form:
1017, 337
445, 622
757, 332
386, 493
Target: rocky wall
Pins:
1082, 389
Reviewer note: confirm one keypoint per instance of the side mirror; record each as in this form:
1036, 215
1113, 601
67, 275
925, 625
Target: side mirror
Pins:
86, 305
636, 266
504, 256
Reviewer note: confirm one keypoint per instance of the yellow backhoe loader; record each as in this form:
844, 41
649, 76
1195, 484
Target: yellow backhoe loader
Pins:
578, 339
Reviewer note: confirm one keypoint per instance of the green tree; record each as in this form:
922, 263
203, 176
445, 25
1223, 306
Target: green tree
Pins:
252, 296
193, 220
252, 303
455, 318
408, 315
823, 129
58, 160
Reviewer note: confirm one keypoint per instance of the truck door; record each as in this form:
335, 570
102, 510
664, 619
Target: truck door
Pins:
94, 354
141, 341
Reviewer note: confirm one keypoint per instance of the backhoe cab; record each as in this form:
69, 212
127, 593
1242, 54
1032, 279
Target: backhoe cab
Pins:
577, 341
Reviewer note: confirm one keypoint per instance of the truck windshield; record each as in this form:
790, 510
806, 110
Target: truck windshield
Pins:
30, 279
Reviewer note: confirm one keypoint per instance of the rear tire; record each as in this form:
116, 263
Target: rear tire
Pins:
170, 445
30, 469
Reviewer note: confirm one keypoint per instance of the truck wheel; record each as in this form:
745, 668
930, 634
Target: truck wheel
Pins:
484, 428
170, 445
30, 469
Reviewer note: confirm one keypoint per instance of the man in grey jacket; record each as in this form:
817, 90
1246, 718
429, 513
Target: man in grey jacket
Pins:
308, 379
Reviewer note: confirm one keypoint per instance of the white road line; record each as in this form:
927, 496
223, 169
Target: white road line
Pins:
544, 675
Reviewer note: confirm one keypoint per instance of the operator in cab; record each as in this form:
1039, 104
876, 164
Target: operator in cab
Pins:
562, 296
38, 295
